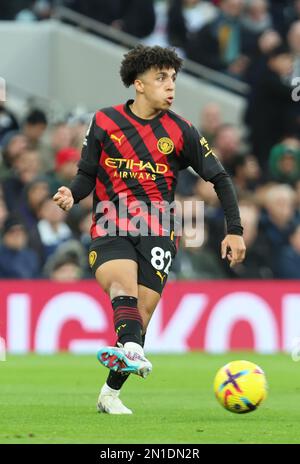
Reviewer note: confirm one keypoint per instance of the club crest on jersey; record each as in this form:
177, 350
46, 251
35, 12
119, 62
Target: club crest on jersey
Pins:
165, 145
92, 258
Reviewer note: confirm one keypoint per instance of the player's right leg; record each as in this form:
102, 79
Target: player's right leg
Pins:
118, 278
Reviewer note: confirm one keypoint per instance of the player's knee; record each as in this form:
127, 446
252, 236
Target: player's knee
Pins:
116, 288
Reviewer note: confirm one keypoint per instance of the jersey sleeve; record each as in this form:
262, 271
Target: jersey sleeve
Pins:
91, 149
198, 154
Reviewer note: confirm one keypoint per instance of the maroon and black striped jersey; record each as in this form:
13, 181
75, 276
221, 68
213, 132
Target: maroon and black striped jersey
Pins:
134, 159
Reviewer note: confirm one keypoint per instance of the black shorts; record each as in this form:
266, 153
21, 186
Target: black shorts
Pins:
154, 256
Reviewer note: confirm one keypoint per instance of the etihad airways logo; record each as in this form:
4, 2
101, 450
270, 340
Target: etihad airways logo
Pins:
136, 170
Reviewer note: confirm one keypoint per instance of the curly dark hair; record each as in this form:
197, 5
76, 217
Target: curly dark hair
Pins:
141, 58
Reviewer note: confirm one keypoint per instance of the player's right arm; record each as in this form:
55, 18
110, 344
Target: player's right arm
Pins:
84, 181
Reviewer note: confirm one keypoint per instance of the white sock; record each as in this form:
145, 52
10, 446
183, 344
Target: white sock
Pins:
106, 390
134, 347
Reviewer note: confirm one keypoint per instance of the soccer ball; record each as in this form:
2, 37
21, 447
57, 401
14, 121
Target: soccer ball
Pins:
240, 386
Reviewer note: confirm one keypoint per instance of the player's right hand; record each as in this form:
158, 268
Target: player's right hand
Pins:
64, 198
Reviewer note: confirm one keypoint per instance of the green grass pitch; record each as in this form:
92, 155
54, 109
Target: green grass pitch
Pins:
51, 399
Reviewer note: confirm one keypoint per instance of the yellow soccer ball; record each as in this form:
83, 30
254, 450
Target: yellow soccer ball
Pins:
240, 386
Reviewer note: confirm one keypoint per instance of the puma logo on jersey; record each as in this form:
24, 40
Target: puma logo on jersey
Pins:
159, 274
114, 137
122, 326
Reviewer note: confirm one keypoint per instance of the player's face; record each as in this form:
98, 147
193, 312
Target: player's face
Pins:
158, 87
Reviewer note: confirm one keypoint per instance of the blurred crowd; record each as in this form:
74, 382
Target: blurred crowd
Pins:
256, 41
38, 239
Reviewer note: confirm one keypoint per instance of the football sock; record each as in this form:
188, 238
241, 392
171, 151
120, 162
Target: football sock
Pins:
115, 380
127, 319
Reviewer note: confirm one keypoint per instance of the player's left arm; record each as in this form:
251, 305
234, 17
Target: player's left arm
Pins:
198, 154
232, 247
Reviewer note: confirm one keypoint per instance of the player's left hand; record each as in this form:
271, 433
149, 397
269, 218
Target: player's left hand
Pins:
233, 247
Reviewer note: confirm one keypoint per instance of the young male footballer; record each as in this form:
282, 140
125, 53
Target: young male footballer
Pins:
130, 159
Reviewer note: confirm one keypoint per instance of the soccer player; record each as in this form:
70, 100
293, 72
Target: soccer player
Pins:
130, 158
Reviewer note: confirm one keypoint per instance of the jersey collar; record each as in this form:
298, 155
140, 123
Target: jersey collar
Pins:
137, 118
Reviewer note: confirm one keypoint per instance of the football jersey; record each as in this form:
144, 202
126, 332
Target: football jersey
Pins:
135, 161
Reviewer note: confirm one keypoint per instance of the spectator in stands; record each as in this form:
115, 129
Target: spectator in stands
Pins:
227, 145
51, 226
79, 220
84, 225
17, 261
35, 11
8, 121
65, 269
278, 217
210, 121
186, 17
223, 44
267, 41
68, 263
14, 143
270, 113
159, 34
61, 136
28, 165
26, 14
246, 173
214, 216
258, 263
284, 161
25, 168
288, 264
34, 127
70, 251
196, 262
135, 17
66, 161
79, 127
294, 44
33, 193
27, 209
256, 17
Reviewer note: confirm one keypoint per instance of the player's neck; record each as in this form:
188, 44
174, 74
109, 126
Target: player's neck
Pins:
143, 111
